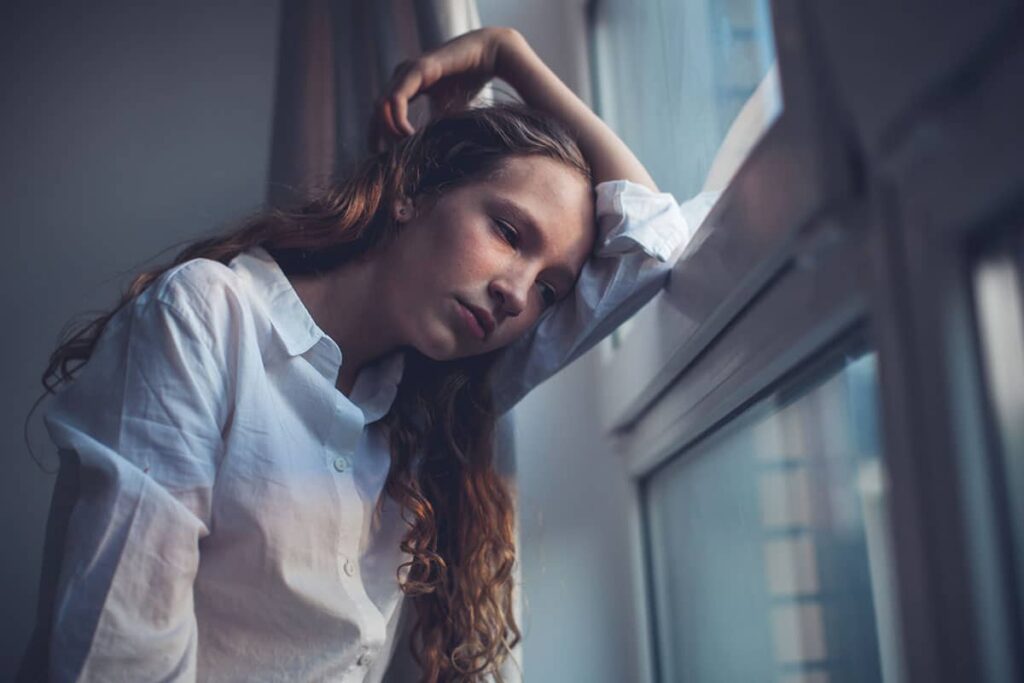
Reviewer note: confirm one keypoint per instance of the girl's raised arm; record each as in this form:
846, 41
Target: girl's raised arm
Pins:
641, 231
453, 73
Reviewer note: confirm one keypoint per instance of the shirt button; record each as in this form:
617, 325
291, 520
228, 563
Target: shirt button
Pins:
364, 659
341, 463
349, 567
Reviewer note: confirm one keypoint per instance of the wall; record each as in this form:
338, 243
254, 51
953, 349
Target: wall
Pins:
126, 128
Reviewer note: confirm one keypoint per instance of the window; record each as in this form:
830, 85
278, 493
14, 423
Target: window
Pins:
691, 88
873, 207
769, 555
671, 78
999, 302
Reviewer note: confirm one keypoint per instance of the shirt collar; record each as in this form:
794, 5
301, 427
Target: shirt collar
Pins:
376, 386
289, 316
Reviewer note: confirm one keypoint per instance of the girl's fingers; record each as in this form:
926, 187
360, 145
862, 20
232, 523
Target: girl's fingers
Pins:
408, 86
383, 129
412, 78
388, 117
398, 108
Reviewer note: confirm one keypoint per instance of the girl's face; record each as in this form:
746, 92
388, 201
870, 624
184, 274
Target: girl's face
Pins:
475, 270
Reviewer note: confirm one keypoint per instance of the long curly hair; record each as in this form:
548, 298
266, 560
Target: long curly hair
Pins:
459, 511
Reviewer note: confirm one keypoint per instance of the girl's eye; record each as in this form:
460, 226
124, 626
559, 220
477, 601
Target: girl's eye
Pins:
508, 233
548, 293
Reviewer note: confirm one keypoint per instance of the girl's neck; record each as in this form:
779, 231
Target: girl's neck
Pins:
342, 304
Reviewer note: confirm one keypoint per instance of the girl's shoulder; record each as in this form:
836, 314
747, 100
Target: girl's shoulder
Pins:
202, 291
198, 278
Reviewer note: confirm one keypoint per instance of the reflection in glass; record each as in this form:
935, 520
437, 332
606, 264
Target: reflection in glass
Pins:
1000, 311
768, 542
672, 77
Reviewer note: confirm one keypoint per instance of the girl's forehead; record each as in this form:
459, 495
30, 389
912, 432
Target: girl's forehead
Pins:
521, 170
544, 186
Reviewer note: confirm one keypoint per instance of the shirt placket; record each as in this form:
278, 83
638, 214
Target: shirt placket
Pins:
341, 460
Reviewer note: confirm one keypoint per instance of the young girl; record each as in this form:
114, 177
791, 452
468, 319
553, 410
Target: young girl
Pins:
287, 433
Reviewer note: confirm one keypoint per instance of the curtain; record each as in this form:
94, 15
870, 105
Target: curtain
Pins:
335, 58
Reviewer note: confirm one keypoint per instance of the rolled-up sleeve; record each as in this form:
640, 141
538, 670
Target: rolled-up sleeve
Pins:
641, 234
144, 419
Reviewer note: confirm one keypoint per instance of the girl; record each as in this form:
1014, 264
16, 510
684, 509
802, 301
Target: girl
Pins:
282, 437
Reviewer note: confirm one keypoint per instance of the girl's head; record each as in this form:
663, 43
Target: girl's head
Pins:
477, 224
474, 268
484, 215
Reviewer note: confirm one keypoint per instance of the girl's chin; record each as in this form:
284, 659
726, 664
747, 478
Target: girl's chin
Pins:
441, 346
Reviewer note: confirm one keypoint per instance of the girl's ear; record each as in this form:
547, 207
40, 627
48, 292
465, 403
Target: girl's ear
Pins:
403, 210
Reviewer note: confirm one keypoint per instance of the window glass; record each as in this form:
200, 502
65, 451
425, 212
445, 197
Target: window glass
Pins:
671, 78
768, 542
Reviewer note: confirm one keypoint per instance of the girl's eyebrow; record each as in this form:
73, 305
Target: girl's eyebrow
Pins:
522, 217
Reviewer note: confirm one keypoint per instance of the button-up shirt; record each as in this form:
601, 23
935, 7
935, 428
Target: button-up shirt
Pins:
224, 525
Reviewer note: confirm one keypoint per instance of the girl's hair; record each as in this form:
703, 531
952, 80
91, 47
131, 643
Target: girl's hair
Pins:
441, 426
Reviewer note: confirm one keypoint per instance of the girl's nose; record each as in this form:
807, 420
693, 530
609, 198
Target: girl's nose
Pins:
510, 295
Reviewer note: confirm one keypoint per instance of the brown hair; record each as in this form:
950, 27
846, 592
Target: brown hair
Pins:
441, 426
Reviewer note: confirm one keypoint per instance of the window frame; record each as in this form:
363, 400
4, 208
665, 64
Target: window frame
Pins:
873, 231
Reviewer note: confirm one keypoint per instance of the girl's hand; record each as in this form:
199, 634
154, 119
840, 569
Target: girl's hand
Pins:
452, 75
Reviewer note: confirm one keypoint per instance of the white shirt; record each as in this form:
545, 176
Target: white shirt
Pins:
224, 525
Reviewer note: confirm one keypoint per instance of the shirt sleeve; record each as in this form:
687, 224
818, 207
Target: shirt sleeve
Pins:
641, 235
144, 418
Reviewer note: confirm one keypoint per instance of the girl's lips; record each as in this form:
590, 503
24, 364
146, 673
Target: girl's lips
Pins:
471, 322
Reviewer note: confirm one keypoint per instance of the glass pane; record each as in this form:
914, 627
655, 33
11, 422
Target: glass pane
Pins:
768, 542
1000, 311
671, 78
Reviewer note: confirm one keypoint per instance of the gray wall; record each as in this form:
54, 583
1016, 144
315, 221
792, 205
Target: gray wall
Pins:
126, 128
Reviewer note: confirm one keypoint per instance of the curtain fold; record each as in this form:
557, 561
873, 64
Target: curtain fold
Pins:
335, 59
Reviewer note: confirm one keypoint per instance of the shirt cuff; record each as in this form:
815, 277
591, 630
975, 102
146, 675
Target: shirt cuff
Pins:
631, 217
